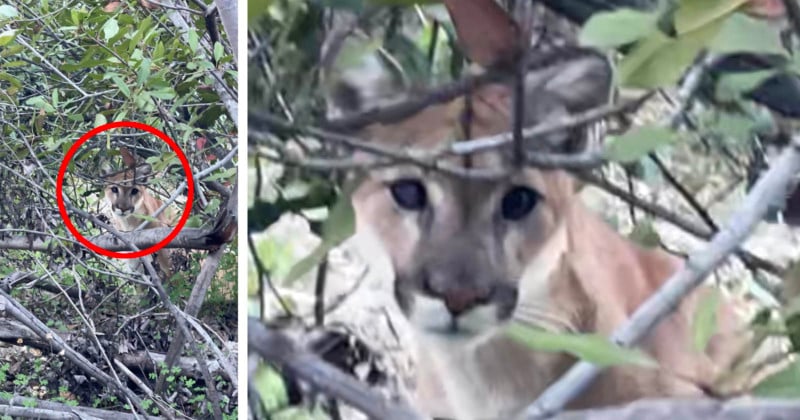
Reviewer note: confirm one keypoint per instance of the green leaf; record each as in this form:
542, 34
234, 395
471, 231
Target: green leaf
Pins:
7, 36
645, 234
219, 51
40, 103
121, 85
704, 323
339, 226
592, 348
731, 86
741, 33
308, 262
8, 12
193, 40
784, 384
734, 126
638, 142
99, 120
270, 387
110, 29
341, 223
695, 14
620, 27
659, 60
144, 71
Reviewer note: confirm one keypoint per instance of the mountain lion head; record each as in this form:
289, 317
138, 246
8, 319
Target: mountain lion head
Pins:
467, 251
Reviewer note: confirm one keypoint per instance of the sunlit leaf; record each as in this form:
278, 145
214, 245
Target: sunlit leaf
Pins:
110, 29
741, 33
784, 384
592, 348
638, 142
704, 323
645, 234
7, 36
269, 386
8, 12
659, 60
695, 14
620, 27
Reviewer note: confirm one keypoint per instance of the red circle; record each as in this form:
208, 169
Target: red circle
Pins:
189, 196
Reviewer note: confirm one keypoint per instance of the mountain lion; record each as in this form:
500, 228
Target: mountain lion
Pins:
471, 255
127, 194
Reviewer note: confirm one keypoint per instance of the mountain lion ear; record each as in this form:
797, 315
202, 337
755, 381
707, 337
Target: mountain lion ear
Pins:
128, 158
105, 169
582, 83
143, 172
485, 31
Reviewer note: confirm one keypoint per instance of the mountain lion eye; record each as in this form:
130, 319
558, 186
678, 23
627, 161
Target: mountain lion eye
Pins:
134, 191
114, 190
409, 194
518, 202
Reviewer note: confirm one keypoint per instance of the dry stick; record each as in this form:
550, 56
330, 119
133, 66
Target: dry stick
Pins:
89, 412
692, 409
30, 320
193, 305
319, 291
174, 311
188, 238
277, 348
773, 183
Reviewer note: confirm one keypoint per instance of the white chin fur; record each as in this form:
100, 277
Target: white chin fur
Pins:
431, 317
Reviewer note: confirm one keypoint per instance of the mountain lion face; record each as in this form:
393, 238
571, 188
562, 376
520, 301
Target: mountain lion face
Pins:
125, 191
465, 250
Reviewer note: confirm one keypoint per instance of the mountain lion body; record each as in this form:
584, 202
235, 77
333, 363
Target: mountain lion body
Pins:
471, 255
127, 194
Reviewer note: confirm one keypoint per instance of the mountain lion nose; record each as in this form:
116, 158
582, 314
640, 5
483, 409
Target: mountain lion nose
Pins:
462, 300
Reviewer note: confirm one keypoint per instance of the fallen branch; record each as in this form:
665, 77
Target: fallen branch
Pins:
16, 310
188, 238
692, 409
75, 411
774, 183
196, 298
280, 350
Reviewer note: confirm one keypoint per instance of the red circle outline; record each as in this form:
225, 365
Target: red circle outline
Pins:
189, 196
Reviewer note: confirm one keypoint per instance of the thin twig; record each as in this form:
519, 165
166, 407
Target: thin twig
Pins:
428, 159
687, 225
772, 184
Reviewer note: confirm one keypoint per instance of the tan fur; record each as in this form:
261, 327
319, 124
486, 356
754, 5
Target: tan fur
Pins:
569, 270
128, 196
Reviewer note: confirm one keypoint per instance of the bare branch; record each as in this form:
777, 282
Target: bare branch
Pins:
78, 412
16, 310
277, 348
188, 238
430, 159
199, 290
684, 223
692, 409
